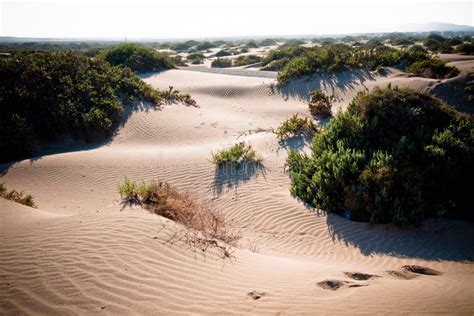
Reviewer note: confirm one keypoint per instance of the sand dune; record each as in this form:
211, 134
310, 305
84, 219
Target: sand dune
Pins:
82, 252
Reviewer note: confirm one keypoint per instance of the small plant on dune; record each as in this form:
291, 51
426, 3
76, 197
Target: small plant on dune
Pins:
295, 126
237, 154
17, 196
204, 226
320, 103
172, 95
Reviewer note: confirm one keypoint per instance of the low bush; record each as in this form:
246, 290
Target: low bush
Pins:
432, 68
267, 42
320, 103
221, 63
251, 44
396, 155
246, 60
204, 226
466, 48
223, 53
401, 41
238, 154
17, 196
295, 126
136, 57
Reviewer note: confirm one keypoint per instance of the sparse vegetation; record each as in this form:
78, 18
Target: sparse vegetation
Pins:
299, 61
171, 95
17, 196
396, 155
204, 226
221, 63
295, 126
320, 103
238, 154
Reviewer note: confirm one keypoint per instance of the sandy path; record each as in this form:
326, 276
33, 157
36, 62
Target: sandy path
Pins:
82, 253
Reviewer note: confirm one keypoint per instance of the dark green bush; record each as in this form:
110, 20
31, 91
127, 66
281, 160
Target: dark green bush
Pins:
204, 45
466, 48
396, 155
432, 68
49, 96
251, 44
221, 63
401, 41
267, 42
136, 57
223, 52
246, 60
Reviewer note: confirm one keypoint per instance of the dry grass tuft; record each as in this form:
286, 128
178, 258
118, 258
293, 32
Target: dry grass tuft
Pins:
172, 95
17, 196
204, 226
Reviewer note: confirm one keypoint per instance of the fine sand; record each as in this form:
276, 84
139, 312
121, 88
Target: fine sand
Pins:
82, 252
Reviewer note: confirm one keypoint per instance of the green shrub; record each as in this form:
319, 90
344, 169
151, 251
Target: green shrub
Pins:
275, 65
433, 68
304, 61
237, 154
267, 42
16, 196
221, 63
46, 97
466, 48
246, 60
204, 45
396, 155
223, 53
251, 44
320, 103
401, 41
454, 41
136, 57
295, 126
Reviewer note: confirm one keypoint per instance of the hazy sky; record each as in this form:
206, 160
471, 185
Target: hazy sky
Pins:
171, 19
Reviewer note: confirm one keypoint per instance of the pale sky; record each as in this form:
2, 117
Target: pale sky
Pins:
198, 19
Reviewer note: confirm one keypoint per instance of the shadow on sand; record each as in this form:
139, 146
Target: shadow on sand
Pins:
229, 176
70, 144
342, 81
436, 239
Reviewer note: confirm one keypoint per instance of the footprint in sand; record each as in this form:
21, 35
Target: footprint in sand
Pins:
256, 295
409, 272
337, 284
361, 276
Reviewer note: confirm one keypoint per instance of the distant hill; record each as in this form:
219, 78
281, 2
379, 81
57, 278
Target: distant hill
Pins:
435, 26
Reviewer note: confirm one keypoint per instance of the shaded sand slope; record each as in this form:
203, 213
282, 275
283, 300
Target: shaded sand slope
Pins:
83, 252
